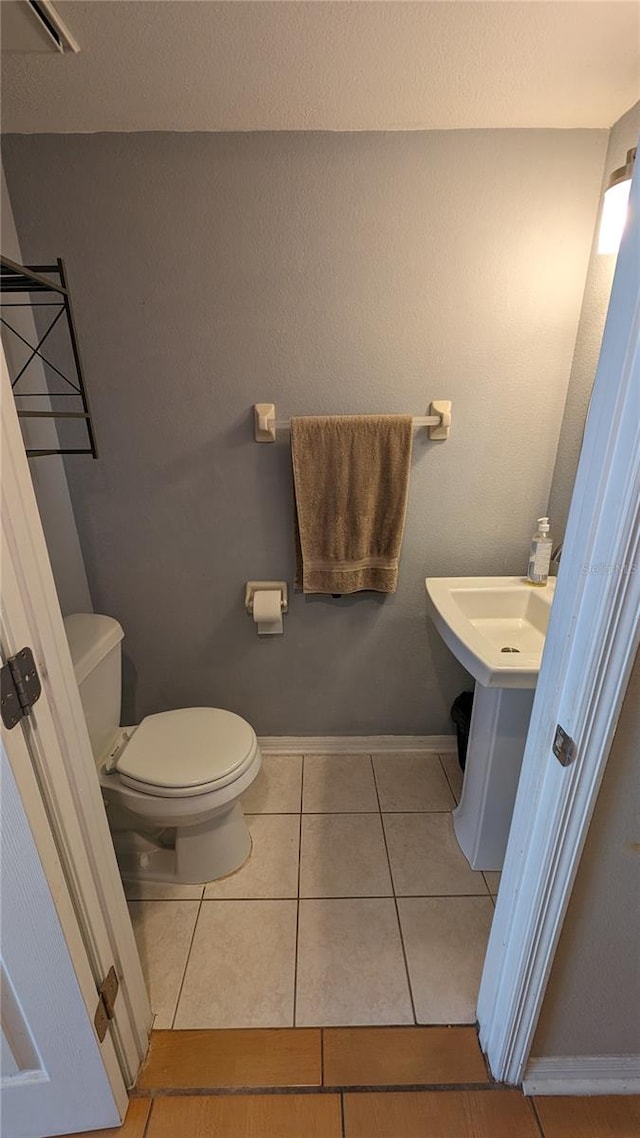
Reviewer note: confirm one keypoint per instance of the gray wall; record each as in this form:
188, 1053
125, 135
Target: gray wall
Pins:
592, 1003
623, 136
325, 273
48, 473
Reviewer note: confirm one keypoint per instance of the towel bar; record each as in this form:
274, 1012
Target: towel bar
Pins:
438, 422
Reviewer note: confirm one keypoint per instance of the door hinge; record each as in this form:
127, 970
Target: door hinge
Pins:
20, 687
107, 993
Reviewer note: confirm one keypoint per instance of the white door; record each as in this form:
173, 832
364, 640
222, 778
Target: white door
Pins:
593, 637
50, 756
53, 1077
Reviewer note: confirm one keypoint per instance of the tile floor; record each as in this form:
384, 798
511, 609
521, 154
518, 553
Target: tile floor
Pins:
355, 908
384, 1114
371, 1082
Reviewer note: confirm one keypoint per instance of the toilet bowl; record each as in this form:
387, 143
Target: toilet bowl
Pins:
172, 785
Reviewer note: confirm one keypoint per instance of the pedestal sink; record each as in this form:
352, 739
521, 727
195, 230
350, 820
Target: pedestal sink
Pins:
496, 628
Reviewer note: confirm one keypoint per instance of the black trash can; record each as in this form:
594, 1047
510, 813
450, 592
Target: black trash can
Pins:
461, 716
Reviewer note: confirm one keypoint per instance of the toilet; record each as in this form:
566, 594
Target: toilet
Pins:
172, 785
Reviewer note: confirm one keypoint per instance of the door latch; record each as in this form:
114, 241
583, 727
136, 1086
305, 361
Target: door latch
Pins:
564, 747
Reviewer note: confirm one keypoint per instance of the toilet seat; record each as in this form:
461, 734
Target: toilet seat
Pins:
187, 752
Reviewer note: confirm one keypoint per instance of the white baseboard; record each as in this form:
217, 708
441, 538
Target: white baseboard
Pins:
354, 744
583, 1075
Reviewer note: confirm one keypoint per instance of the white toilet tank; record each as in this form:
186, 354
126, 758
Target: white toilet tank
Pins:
95, 645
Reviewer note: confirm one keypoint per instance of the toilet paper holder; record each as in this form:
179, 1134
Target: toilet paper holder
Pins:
254, 587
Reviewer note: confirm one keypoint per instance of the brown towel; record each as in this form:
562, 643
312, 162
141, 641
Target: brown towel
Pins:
351, 479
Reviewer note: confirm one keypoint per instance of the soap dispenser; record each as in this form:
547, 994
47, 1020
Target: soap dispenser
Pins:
540, 555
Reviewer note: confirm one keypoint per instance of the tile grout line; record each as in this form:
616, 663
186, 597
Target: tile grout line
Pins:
186, 964
395, 898
451, 788
486, 885
295, 961
332, 896
534, 1108
147, 1124
271, 1091
341, 813
449, 783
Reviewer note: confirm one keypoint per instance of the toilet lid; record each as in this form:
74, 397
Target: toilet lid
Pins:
190, 747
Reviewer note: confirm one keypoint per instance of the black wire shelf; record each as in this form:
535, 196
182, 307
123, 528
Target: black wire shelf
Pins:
22, 279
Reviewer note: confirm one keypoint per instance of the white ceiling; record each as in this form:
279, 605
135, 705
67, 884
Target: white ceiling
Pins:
184, 65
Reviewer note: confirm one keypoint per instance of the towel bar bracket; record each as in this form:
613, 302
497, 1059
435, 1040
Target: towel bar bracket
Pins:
438, 421
442, 409
265, 422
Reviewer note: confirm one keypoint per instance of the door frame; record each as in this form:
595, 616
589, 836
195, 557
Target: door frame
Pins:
62, 763
595, 621
591, 644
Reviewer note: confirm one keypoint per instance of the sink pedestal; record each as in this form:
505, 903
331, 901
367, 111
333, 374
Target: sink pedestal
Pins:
496, 628
499, 725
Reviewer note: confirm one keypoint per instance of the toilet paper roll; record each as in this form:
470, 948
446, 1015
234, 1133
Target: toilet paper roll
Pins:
267, 611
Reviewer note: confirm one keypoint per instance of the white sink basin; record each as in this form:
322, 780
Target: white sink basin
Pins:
479, 617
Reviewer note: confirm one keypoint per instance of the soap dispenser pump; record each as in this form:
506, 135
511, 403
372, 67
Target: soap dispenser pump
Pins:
540, 555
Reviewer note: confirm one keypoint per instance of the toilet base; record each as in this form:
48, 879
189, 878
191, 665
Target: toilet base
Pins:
201, 853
